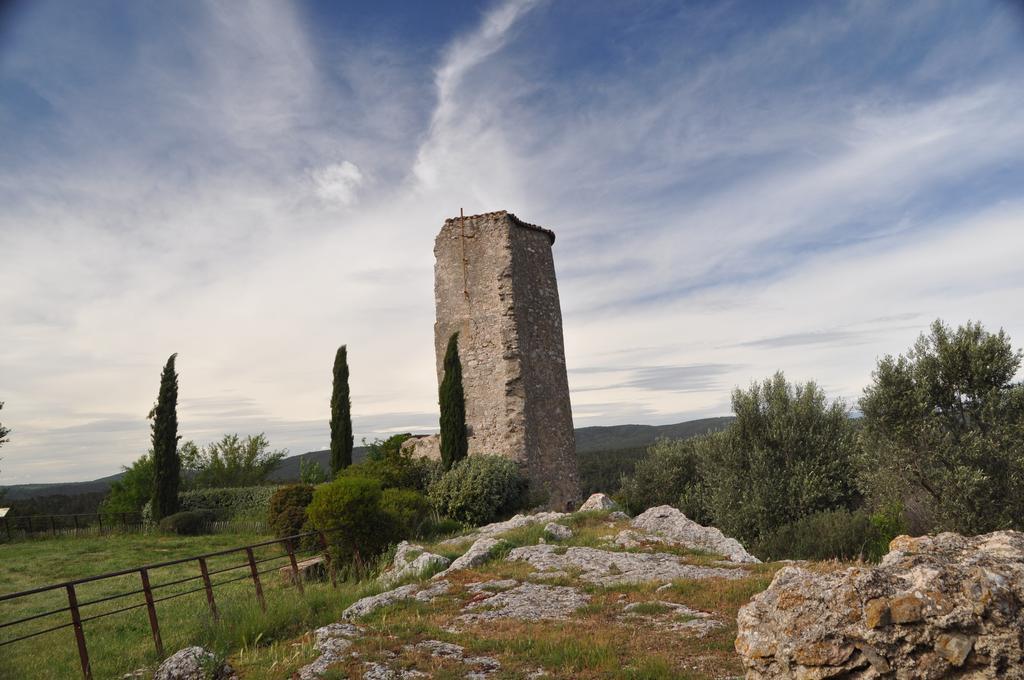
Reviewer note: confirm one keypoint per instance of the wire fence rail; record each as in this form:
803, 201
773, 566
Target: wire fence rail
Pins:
203, 580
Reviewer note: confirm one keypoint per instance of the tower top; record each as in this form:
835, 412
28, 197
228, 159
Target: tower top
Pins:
498, 214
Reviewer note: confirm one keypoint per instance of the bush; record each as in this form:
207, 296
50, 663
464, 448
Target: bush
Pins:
246, 502
348, 510
833, 534
188, 522
479, 490
409, 510
286, 514
394, 469
661, 477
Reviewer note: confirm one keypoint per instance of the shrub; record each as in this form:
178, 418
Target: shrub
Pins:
187, 522
246, 502
348, 510
393, 468
409, 510
479, 489
662, 476
833, 534
286, 514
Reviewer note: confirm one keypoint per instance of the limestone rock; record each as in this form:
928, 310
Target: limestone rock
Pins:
599, 501
332, 641
604, 567
618, 516
527, 602
422, 446
936, 606
412, 560
477, 554
559, 532
412, 591
492, 530
669, 523
194, 663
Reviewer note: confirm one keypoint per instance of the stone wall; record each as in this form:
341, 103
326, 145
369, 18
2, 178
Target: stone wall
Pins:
494, 283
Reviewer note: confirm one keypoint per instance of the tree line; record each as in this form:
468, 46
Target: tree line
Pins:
938, 444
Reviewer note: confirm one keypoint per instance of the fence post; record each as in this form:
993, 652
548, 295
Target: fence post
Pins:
154, 625
256, 579
29, 518
99, 519
76, 620
327, 555
75, 517
209, 587
295, 567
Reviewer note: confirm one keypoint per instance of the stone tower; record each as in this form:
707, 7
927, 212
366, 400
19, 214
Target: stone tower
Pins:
494, 283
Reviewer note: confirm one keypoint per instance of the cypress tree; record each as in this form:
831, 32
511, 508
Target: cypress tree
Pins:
341, 414
166, 465
454, 443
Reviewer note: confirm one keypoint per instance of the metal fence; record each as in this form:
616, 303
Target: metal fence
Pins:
78, 612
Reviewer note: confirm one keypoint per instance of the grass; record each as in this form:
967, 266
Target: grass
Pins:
123, 642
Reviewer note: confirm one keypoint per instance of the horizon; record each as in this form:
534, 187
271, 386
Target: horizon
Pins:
736, 189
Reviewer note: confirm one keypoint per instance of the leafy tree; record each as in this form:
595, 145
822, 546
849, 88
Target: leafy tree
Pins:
454, 441
133, 490
310, 472
232, 461
166, 466
341, 414
787, 455
386, 449
943, 431
663, 476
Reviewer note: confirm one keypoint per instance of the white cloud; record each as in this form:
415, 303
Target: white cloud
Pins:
338, 182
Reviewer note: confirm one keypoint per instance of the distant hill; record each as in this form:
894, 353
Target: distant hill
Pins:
589, 441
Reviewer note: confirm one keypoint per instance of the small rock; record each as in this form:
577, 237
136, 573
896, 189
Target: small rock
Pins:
493, 586
527, 602
412, 561
618, 516
407, 592
669, 523
332, 641
477, 554
598, 501
194, 663
559, 532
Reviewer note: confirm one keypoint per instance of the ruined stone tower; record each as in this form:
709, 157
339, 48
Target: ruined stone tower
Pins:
494, 283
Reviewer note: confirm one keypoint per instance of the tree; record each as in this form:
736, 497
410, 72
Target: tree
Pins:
133, 490
232, 461
4, 432
166, 466
311, 473
788, 454
341, 414
662, 477
943, 431
454, 442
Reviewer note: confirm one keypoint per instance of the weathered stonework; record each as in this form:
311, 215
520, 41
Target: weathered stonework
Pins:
494, 283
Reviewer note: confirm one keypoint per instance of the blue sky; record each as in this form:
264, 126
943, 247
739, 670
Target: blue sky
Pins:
737, 188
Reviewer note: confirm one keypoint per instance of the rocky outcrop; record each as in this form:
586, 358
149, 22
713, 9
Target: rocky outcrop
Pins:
194, 663
672, 526
942, 606
526, 602
492, 530
477, 554
412, 561
599, 501
332, 642
559, 532
604, 567
413, 591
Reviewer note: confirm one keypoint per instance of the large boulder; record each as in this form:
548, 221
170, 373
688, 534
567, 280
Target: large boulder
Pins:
668, 523
413, 561
936, 606
598, 501
194, 663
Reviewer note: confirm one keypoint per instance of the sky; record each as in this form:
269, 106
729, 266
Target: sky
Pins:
737, 188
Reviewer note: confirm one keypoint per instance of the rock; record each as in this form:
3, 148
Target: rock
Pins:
598, 501
668, 523
559, 532
378, 671
492, 530
618, 516
412, 561
477, 554
422, 446
412, 591
492, 586
604, 567
332, 641
673, 616
526, 602
483, 665
936, 606
312, 569
194, 663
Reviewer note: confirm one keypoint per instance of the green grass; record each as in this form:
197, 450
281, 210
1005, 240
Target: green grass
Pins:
123, 642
